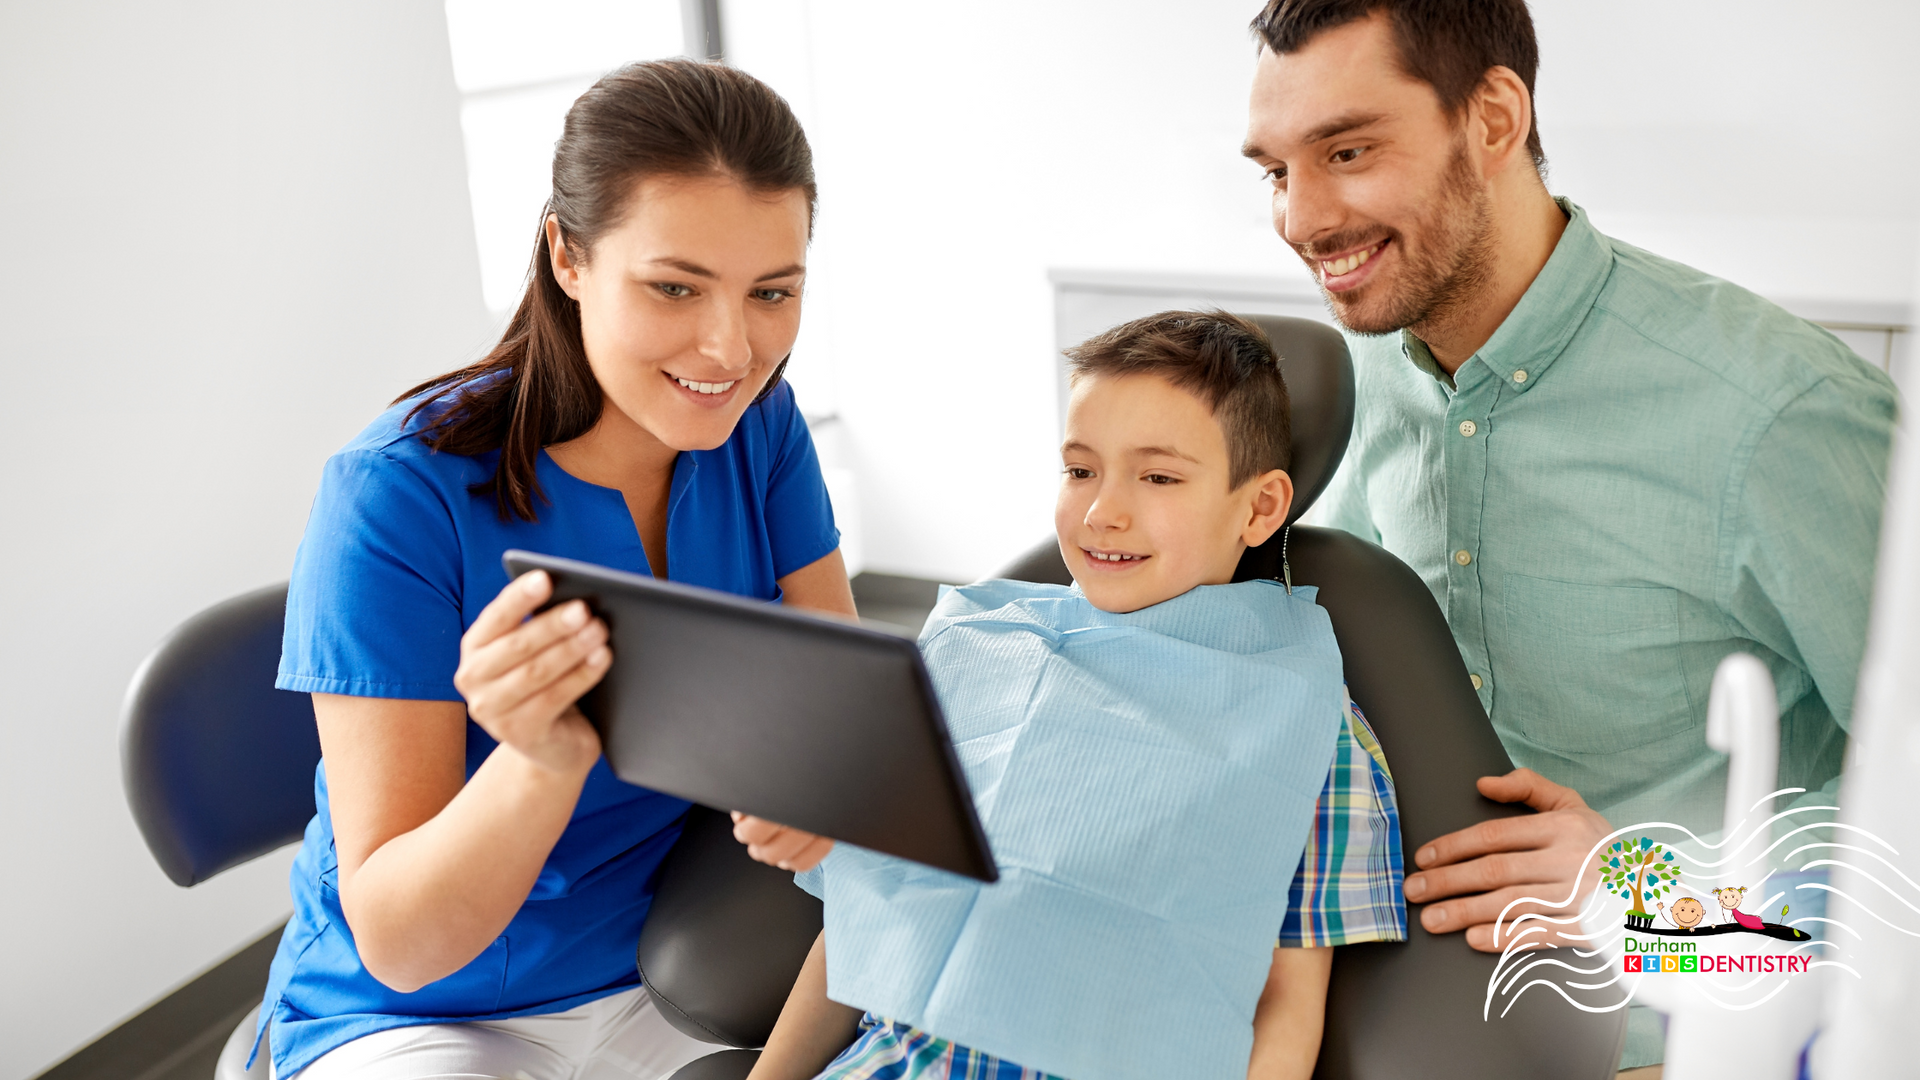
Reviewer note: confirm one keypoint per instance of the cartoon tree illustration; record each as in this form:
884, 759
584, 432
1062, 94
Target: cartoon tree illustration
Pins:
1638, 872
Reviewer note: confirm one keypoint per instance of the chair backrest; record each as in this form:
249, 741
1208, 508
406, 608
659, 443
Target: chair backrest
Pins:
1393, 1010
217, 764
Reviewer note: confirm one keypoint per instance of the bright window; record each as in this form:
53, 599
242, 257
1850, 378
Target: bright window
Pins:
519, 65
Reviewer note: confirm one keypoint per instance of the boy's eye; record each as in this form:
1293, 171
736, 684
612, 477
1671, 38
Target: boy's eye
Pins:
1161, 478
673, 291
1078, 472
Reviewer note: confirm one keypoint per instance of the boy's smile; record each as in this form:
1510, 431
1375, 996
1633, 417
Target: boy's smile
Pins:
1145, 511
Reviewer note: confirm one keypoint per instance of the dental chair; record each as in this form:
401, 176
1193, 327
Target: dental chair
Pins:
722, 922
218, 769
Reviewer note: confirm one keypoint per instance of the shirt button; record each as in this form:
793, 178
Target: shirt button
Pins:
1468, 427
1462, 557
1476, 681
1520, 376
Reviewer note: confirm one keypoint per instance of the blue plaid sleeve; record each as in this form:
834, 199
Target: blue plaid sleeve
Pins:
1347, 889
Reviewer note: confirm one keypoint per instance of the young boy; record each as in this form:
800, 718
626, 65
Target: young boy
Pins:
1145, 749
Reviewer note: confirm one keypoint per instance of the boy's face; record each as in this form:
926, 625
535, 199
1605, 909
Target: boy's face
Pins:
1145, 513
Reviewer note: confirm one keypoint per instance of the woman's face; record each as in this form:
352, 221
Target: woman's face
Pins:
688, 304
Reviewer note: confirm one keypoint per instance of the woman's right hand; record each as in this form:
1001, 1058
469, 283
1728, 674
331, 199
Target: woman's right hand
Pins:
778, 845
523, 677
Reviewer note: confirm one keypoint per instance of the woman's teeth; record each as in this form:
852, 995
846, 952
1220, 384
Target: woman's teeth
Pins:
1115, 557
706, 387
1350, 263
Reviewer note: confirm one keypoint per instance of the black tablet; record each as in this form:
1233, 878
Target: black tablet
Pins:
805, 719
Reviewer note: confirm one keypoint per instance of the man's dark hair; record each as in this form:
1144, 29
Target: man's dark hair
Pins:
1447, 44
1221, 359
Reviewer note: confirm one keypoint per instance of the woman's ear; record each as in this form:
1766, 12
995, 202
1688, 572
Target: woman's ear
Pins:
565, 270
1270, 497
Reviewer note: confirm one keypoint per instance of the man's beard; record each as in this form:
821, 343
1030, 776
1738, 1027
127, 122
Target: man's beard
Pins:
1450, 266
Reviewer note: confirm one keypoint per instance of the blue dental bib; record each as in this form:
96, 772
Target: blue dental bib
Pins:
1147, 781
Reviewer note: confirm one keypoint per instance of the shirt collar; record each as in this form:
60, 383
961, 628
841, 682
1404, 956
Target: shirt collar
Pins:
1553, 308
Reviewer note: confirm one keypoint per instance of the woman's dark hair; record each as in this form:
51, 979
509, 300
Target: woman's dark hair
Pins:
1448, 44
1221, 359
660, 118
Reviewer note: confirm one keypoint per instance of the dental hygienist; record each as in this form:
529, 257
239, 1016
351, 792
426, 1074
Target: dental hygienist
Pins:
469, 893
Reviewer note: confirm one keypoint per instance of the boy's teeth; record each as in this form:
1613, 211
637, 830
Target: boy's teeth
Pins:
706, 387
1113, 558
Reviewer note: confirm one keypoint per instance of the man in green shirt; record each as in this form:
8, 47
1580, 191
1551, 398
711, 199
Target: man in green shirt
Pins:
1612, 470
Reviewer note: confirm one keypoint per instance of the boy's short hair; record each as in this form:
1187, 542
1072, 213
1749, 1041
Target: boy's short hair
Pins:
1223, 360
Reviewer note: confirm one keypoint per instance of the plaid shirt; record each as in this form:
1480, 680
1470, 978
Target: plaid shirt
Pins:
1347, 890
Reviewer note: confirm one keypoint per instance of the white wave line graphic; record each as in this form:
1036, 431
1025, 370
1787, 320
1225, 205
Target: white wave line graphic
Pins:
1849, 866
1852, 847
1550, 962
1555, 987
1861, 906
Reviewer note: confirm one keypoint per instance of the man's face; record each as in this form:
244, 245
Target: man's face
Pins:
1372, 183
1145, 511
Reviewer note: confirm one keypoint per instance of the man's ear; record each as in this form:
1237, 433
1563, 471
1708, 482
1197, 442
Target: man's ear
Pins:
1270, 496
1504, 110
565, 270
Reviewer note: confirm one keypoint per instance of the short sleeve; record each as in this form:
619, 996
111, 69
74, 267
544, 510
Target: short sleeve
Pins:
373, 609
800, 526
1347, 889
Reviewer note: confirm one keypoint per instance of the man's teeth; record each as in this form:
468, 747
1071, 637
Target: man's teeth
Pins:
1351, 262
1116, 557
705, 387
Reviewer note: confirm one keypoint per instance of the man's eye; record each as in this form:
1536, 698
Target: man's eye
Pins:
1277, 176
673, 291
1349, 155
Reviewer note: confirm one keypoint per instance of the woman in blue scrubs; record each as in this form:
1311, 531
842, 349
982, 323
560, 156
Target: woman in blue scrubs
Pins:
468, 896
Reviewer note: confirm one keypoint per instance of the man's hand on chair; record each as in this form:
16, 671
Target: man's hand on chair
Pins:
1496, 862
777, 845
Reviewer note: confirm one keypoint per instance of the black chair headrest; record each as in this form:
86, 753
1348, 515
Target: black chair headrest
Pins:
1319, 374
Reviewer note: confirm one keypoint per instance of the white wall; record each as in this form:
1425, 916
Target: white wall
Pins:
964, 151
234, 231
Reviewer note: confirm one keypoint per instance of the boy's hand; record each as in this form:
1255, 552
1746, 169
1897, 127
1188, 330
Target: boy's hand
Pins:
1544, 855
777, 845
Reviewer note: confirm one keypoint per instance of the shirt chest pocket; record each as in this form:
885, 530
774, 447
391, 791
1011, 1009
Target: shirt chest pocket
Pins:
1590, 669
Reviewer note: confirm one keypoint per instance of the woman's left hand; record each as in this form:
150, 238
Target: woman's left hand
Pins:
778, 845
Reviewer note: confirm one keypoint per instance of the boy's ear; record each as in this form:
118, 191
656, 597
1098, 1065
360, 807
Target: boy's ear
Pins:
1270, 496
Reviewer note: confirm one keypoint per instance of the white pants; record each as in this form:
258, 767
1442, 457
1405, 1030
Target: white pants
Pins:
621, 1037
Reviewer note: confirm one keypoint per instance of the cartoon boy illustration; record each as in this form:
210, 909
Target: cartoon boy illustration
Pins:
1686, 913
1730, 898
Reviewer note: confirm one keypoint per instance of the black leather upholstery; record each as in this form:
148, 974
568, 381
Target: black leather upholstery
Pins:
725, 937
216, 763
725, 1065
1393, 1010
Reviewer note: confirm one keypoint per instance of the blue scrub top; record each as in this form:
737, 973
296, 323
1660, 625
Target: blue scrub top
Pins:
398, 559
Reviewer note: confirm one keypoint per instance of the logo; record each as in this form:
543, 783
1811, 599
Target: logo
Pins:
1647, 871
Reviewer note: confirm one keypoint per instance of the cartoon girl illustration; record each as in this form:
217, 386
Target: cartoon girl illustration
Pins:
1685, 914
1730, 898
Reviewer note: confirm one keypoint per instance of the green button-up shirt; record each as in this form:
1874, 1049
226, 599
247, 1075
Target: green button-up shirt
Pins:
1645, 469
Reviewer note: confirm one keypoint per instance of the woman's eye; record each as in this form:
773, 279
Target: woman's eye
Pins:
673, 291
772, 296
